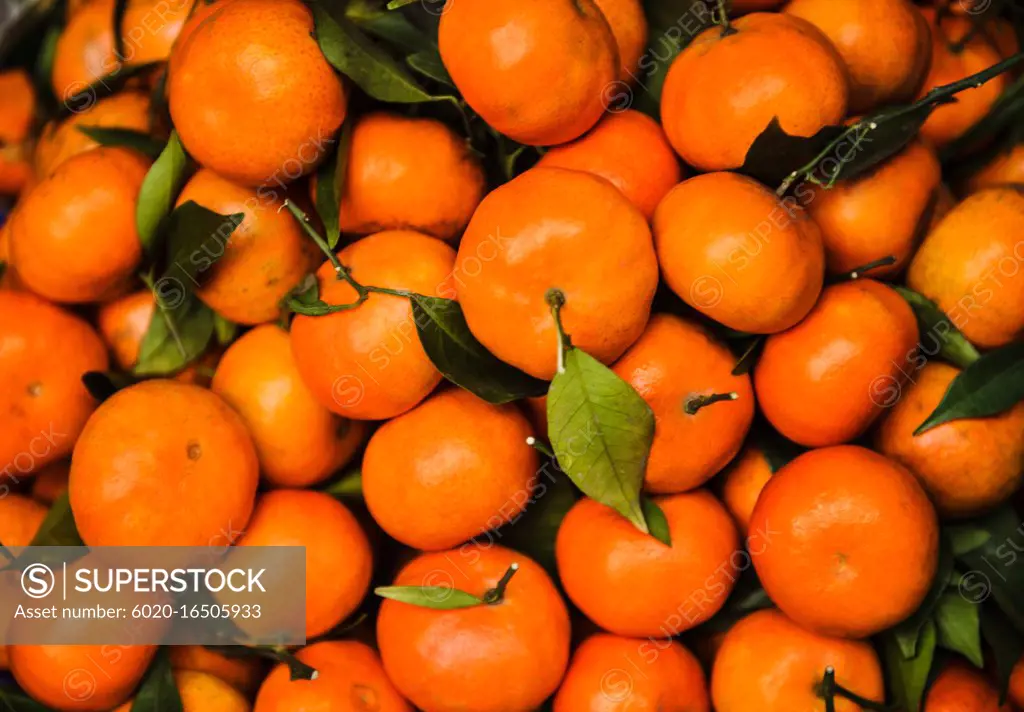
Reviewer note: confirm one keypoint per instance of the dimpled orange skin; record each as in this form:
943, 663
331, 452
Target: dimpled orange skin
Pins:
85, 49
264, 258
722, 92
610, 149
430, 166
123, 323
351, 679
457, 659
367, 363
838, 518
20, 518
244, 674
448, 470
534, 234
535, 70
768, 663
609, 673
299, 442
688, 449
55, 244
42, 400
338, 557
91, 678
604, 561
741, 485
961, 688
629, 28
156, 442
226, 96
879, 214
1004, 169
17, 105
725, 241
50, 482
969, 265
60, 141
885, 45
967, 465
824, 381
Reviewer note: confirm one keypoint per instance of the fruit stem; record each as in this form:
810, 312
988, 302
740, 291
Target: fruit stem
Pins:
858, 272
721, 17
496, 594
830, 689
540, 446
695, 403
556, 300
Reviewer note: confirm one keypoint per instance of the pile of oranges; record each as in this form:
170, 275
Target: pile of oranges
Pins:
491, 306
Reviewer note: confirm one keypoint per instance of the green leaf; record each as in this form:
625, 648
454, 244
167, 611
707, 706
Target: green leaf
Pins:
177, 334
966, 537
101, 385
330, 185
462, 359
909, 676
429, 64
225, 330
158, 692
442, 598
992, 384
58, 528
1005, 114
656, 521
601, 431
15, 701
535, 530
1006, 643
672, 25
159, 190
124, 138
392, 27
350, 484
958, 626
908, 633
932, 322
305, 299
196, 238
996, 568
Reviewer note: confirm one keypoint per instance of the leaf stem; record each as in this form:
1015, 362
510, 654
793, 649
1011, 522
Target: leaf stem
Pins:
496, 594
695, 403
540, 446
858, 272
556, 300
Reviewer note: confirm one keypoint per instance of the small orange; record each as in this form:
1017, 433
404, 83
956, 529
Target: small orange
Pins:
299, 442
742, 482
242, 673
629, 583
259, 263
163, 464
350, 678
202, 692
367, 363
1006, 168
20, 518
439, 180
769, 664
629, 28
722, 90
231, 76
42, 399
612, 674
967, 465
610, 149
962, 688
85, 50
535, 70
879, 214
17, 107
725, 241
824, 381
150, 27
55, 244
457, 659
838, 517
689, 447
449, 470
338, 557
533, 234
971, 263
123, 322
50, 482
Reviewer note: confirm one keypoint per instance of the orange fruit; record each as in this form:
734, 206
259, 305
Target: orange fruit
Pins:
770, 664
338, 557
629, 583
610, 149
80, 677
242, 673
42, 399
20, 518
967, 465
429, 167
1004, 169
824, 381
969, 266
532, 235
629, 29
263, 259
1016, 691
725, 241
55, 246
885, 45
609, 673
17, 107
689, 448
226, 95
962, 688
878, 214
299, 442
367, 362
838, 518
163, 464
457, 659
449, 470
85, 50
534, 70
712, 129
60, 141
202, 692
123, 322
742, 482
150, 27
50, 482
350, 679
